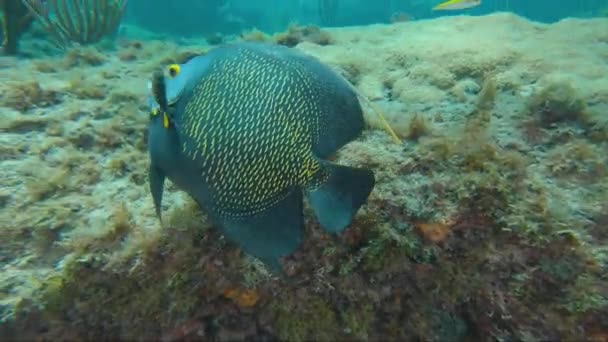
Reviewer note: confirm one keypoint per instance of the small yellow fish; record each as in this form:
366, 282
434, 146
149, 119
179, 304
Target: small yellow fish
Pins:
457, 5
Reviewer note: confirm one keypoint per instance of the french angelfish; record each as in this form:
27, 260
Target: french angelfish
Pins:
245, 130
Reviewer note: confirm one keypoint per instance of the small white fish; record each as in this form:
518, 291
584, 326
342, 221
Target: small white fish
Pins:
457, 5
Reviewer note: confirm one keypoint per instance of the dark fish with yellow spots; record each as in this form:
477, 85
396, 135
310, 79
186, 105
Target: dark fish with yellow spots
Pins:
245, 130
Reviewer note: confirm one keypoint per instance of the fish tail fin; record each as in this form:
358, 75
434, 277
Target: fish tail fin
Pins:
339, 197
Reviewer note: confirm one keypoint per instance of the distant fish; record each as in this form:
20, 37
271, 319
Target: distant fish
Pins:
457, 5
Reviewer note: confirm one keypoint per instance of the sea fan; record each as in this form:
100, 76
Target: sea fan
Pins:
77, 21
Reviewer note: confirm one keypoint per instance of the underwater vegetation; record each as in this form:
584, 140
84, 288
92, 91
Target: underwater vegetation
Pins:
77, 21
489, 223
65, 22
15, 20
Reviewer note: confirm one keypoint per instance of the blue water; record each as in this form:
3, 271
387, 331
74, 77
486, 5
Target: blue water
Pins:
193, 17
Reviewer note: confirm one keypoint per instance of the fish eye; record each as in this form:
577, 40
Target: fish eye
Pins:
174, 70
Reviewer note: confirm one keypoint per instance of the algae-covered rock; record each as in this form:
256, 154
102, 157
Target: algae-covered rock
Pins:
556, 102
471, 233
297, 34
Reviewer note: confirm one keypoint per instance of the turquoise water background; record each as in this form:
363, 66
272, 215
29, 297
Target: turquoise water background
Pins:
194, 17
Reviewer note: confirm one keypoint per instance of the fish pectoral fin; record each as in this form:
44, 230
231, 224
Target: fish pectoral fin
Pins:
157, 182
271, 234
339, 198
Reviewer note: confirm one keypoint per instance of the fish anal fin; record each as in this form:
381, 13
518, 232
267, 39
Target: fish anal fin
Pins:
271, 234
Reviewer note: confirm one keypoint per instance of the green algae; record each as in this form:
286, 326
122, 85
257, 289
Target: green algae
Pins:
587, 294
315, 320
358, 321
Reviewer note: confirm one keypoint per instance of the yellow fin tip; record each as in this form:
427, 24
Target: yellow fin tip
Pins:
165, 120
